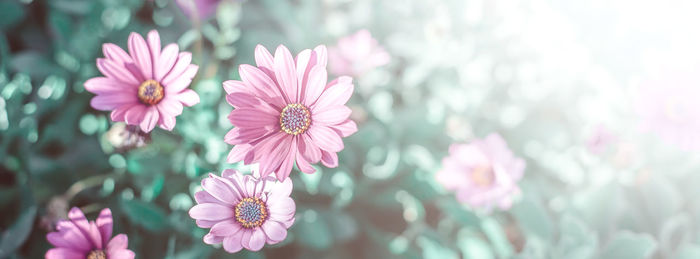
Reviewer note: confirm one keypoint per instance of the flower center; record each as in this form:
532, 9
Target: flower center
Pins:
150, 92
251, 212
295, 119
482, 176
97, 254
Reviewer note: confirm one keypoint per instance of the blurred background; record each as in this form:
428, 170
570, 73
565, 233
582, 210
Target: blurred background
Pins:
600, 98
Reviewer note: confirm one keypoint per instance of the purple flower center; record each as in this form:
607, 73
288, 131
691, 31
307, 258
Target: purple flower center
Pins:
295, 119
150, 92
97, 254
251, 212
482, 175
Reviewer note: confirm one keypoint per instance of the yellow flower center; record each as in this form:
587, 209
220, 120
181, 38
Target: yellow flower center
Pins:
295, 119
150, 92
482, 176
251, 212
97, 254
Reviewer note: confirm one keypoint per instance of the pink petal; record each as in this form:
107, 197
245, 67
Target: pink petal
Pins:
226, 228
289, 154
170, 106
104, 85
285, 72
113, 70
274, 231
220, 190
282, 206
166, 61
211, 211
121, 254
238, 100
283, 189
69, 237
111, 101
272, 160
251, 118
141, 54
257, 79
150, 119
329, 159
119, 242
154, 48
206, 197
104, 224
235, 86
233, 244
63, 253
78, 218
304, 165
212, 239
179, 83
183, 61
346, 128
238, 153
321, 55
332, 115
264, 60
245, 238
188, 97
336, 94
326, 138
315, 84
309, 149
206, 223
257, 240
166, 122
116, 54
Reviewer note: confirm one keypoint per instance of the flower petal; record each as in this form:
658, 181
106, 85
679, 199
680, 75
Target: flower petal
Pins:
274, 231
329, 159
63, 253
166, 61
326, 138
104, 224
150, 119
252, 118
118, 242
332, 115
232, 244
141, 54
315, 84
346, 128
188, 97
179, 83
226, 228
211, 211
183, 62
335, 94
111, 101
285, 72
116, 71
257, 240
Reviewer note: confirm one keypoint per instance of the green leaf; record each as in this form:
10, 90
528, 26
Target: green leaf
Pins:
434, 250
576, 240
533, 218
145, 214
628, 245
15, 236
11, 13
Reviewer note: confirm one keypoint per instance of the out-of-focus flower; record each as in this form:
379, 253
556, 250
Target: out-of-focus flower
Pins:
146, 87
669, 107
56, 210
483, 173
80, 238
356, 54
600, 140
125, 137
285, 112
243, 211
203, 9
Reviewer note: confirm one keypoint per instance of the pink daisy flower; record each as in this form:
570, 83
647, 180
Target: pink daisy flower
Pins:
356, 54
243, 211
80, 238
669, 107
285, 112
146, 87
483, 173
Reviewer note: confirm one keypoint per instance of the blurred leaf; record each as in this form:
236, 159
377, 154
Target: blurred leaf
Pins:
312, 230
15, 236
533, 218
628, 245
434, 250
576, 240
145, 214
497, 237
11, 13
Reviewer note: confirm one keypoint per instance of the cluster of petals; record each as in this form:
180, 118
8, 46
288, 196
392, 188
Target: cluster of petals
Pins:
356, 54
145, 87
285, 112
79, 238
483, 173
243, 211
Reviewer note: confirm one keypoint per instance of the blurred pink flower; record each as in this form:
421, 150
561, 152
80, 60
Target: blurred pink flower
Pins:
204, 8
80, 238
243, 211
483, 173
670, 108
285, 112
600, 140
146, 87
356, 54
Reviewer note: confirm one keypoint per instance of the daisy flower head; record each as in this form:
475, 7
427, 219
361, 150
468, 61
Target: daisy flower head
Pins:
286, 112
79, 238
356, 54
145, 87
483, 174
243, 211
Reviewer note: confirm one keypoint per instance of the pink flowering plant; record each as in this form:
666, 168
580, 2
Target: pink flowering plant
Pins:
349, 129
